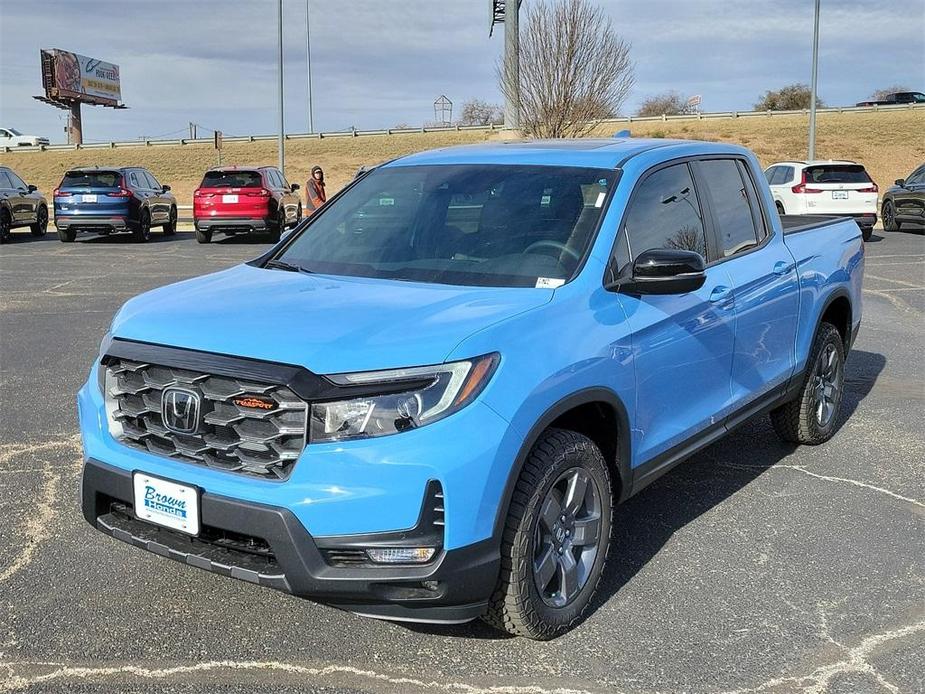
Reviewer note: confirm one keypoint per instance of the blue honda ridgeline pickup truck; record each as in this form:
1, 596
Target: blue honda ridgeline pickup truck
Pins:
425, 403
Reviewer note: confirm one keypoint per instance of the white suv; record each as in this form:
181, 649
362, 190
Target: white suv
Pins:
841, 188
9, 137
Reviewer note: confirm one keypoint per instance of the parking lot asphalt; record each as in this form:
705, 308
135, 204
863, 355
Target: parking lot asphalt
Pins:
752, 567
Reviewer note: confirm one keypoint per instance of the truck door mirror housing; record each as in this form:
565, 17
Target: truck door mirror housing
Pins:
662, 271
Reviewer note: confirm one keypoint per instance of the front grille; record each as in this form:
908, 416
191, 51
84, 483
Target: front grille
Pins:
248, 440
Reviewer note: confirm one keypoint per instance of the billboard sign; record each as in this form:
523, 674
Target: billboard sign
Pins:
695, 101
77, 77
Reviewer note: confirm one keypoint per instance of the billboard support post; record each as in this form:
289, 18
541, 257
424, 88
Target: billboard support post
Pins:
75, 131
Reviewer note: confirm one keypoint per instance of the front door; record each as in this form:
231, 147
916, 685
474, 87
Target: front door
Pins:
682, 344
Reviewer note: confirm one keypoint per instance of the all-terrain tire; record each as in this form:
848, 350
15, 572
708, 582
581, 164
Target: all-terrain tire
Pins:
798, 421
516, 605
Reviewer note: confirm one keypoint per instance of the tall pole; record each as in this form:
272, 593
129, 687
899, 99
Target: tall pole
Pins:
812, 87
308, 58
282, 146
512, 64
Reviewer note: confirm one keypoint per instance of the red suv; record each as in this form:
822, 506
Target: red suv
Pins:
236, 200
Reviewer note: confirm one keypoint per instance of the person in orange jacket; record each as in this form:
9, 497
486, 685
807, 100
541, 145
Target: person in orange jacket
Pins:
314, 190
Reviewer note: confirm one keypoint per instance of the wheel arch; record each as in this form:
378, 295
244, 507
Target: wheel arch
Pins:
597, 413
837, 310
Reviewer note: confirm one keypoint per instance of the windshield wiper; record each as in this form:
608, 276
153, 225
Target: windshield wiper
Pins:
288, 267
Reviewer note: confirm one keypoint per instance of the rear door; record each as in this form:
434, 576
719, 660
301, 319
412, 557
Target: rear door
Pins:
839, 189
763, 276
17, 194
160, 206
682, 344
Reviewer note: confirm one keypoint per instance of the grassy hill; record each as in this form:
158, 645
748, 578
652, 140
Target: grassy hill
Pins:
890, 144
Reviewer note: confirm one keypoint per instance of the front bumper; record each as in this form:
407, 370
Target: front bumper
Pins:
231, 225
452, 588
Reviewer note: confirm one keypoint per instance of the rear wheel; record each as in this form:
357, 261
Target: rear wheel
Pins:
890, 223
203, 236
866, 233
811, 417
556, 538
67, 235
142, 232
780, 208
170, 228
276, 229
41, 222
6, 226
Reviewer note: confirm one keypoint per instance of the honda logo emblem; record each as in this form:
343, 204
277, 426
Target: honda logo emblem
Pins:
180, 410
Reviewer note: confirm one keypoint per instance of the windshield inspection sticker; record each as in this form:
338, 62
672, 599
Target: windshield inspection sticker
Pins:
600, 199
548, 283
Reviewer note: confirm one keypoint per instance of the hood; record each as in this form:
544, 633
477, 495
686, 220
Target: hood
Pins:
326, 324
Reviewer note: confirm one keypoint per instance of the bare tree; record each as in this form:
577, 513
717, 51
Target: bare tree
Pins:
478, 112
882, 94
793, 97
667, 104
575, 69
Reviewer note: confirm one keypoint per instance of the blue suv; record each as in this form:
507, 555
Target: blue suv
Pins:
426, 402
107, 201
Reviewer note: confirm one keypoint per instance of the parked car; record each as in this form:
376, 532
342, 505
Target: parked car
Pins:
825, 187
244, 200
904, 201
21, 205
10, 137
113, 200
896, 98
432, 417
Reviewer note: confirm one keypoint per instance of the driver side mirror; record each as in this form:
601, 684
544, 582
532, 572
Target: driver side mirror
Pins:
901, 182
294, 187
32, 188
165, 188
662, 271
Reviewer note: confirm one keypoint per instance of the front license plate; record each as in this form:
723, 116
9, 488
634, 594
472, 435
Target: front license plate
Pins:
88, 198
172, 505
839, 194
229, 198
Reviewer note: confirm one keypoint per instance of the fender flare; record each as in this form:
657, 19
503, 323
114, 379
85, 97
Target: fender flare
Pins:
582, 397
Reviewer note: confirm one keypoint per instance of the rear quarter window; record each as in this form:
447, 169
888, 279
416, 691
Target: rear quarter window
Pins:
232, 179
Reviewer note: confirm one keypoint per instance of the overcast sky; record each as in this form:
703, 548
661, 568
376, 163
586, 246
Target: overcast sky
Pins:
379, 63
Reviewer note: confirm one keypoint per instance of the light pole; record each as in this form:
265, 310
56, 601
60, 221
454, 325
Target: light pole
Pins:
308, 58
282, 145
512, 63
812, 87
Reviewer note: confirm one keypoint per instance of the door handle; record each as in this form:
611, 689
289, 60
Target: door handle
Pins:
720, 293
781, 268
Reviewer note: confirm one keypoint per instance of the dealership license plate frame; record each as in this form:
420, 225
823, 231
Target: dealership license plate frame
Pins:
151, 513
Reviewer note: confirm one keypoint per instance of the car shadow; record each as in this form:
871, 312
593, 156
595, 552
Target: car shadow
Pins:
243, 240
646, 522
157, 236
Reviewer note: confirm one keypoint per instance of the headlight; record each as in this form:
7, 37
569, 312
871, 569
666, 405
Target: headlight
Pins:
407, 398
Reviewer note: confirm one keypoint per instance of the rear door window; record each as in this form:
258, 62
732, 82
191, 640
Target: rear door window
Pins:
836, 173
731, 209
664, 212
5, 181
232, 179
91, 179
16, 181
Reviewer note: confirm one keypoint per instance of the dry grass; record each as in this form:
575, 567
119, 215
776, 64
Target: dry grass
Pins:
889, 144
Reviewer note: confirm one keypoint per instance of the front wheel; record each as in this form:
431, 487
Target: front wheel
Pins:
890, 223
811, 417
6, 226
170, 228
556, 538
41, 222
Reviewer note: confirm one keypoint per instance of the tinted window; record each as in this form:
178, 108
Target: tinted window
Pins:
153, 182
91, 179
5, 181
786, 174
770, 174
664, 213
488, 225
136, 180
232, 179
836, 173
916, 176
732, 212
16, 180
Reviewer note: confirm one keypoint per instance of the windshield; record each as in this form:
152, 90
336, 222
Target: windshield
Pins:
91, 179
232, 179
487, 225
837, 173
13, 131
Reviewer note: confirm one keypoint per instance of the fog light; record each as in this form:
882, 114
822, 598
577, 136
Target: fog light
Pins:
401, 555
